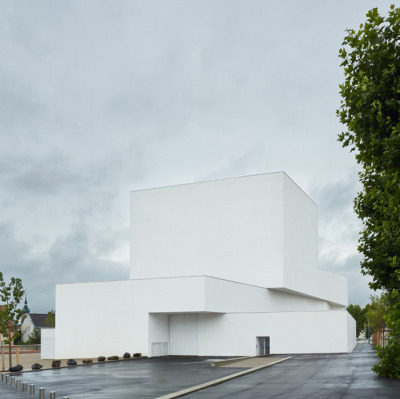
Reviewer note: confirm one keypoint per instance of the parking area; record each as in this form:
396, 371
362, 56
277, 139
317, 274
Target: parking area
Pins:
303, 376
146, 378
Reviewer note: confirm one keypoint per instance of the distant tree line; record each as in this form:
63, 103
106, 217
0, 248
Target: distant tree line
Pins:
372, 317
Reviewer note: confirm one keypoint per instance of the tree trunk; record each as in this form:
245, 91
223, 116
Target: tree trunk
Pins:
9, 354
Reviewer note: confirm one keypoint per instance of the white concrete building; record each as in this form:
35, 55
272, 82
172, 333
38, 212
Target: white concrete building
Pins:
226, 267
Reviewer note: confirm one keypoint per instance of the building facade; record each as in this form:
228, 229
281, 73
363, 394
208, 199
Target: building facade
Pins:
226, 267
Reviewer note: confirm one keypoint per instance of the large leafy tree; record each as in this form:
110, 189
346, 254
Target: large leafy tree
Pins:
10, 315
370, 110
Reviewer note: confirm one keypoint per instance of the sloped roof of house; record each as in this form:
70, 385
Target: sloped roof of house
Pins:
38, 319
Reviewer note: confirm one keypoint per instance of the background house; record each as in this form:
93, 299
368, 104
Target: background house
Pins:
31, 321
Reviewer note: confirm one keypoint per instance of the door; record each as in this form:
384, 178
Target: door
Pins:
262, 346
159, 349
184, 334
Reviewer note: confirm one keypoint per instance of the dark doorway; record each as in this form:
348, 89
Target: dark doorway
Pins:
262, 345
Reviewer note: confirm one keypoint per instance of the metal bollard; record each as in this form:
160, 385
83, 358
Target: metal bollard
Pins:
32, 389
41, 393
7, 379
18, 384
12, 381
2, 377
52, 395
24, 387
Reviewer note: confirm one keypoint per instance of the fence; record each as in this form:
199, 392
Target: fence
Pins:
380, 337
29, 348
22, 348
3, 353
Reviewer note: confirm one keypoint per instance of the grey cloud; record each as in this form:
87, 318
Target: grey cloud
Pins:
14, 253
44, 176
100, 98
359, 291
72, 260
16, 260
69, 259
335, 197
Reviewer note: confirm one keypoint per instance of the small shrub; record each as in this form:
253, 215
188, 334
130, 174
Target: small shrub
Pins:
34, 336
389, 365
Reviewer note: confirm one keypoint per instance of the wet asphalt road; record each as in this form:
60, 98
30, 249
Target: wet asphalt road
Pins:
304, 376
312, 376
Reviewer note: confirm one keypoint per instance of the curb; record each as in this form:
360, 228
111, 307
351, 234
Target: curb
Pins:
218, 381
70, 367
219, 363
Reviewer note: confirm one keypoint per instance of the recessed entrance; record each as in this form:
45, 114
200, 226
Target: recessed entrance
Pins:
262, 346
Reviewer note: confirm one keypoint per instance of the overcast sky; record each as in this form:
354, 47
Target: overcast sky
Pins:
99, 98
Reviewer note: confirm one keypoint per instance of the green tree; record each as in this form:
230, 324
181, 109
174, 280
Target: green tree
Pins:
34, 336
11, 295
50, 320
358, 315
376, 311
370, 109
389, 365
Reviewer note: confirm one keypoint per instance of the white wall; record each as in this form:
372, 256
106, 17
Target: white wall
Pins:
351, 333
158, 334
228, 228
300, 218
111, 318
226, 296
289, 332
97, 319
260, 230
47, 344
301, 272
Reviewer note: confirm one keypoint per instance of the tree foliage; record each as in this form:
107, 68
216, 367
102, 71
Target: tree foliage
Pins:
358, 315
389, 365
10, 315
34, 336
370, 109
374, 314
50, 320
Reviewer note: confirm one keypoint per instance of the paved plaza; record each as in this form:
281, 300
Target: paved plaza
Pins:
302, 376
